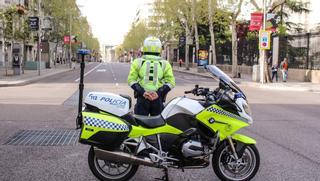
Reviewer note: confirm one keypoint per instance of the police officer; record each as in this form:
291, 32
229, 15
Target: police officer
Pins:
151, 78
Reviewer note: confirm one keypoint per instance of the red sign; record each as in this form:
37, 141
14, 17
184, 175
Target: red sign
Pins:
256, 21
66, 39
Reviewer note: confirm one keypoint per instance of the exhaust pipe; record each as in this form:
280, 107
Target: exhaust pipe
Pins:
122, 157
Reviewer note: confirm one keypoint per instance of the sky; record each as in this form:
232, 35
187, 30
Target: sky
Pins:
110, 20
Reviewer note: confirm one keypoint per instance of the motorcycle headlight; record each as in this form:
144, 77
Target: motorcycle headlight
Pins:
246, 108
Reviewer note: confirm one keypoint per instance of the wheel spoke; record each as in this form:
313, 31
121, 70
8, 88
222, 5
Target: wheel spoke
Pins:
104, 165
118, 170
237, 169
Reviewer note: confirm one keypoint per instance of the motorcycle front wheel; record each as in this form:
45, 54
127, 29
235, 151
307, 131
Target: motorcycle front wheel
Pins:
227, 168
110, 171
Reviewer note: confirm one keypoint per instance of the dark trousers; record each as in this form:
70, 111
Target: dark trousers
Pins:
275, 74
146, 107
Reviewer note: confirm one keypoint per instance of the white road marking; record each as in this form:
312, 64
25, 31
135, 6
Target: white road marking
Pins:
77, 80
101, 70
113, 74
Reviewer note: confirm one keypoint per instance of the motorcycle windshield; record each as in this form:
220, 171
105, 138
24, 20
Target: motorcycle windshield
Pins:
219, 75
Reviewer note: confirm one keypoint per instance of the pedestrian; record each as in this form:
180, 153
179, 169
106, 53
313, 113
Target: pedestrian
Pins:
180, 62
151, 78
284, 68
73, 63
274, 70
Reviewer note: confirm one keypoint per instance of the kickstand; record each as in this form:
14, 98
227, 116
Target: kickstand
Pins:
166, 175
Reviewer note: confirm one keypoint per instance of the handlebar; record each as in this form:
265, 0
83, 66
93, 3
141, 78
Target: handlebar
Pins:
188, 92
215, 95
200, 91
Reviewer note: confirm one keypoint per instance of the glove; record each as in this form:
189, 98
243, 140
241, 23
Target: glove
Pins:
163, 91
138, 89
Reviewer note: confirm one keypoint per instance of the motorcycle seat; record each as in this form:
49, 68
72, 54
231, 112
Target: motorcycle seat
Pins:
149, 121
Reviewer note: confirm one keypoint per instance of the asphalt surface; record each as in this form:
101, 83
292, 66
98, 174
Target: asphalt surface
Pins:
286, 127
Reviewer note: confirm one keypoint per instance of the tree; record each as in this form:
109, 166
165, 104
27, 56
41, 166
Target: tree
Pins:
213, 45
174, 12
15, 26
135, 37
195, 25
282, 8
234, 9
61, 11
168, 25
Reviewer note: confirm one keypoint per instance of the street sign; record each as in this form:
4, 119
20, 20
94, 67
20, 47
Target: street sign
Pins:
74, 39
66, 39
256, 21
182, 40
203, 57
272, 22
34, 23
264, 40
47, 23
84, 51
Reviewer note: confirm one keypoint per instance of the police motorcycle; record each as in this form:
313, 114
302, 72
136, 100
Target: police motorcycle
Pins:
189, 133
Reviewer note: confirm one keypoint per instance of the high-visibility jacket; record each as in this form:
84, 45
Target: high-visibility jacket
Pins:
151, 72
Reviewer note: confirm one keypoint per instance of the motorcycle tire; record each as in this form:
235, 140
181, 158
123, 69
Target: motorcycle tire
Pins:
103, 176
223, 154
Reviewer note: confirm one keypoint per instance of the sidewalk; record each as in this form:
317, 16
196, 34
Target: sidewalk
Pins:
30, 76
246, 80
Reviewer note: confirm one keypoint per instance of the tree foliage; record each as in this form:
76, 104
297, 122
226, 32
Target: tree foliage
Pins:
135, 37
15, 24
62, 11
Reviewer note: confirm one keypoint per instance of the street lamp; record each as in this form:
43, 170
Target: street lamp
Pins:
70, 50
39, 38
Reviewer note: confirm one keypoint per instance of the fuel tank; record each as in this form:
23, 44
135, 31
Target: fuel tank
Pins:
181, 105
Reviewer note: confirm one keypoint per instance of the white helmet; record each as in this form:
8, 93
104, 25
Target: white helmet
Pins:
152, 45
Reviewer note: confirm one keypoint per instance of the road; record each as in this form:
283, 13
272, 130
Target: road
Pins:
286, 127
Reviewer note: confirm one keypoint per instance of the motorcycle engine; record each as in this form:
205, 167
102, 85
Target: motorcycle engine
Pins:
192, 148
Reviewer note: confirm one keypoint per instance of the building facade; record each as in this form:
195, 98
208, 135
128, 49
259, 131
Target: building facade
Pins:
10, 48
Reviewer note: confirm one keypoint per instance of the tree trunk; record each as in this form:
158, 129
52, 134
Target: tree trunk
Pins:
213, 45
188, 37
196, 34
56, 54
267, 77
234, 49
3, 55
23, 63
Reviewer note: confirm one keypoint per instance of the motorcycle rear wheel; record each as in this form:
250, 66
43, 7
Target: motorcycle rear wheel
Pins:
109, 171
228, 169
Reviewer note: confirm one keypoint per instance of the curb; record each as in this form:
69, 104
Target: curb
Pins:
32, 79
258, 85
275, 87
200, 74
193, 73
